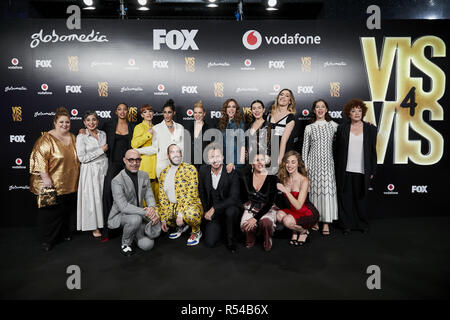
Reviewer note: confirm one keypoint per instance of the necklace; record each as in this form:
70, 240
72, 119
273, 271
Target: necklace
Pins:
170, 127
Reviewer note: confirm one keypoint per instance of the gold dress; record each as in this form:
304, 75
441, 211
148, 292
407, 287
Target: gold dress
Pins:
59, 161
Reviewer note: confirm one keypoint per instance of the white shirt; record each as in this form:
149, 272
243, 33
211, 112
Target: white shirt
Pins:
216, 178
355, 156
161, 139
169, 184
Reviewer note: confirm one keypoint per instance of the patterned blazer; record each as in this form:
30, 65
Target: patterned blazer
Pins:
186, 192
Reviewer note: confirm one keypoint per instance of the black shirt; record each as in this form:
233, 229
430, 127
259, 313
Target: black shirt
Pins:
134, 178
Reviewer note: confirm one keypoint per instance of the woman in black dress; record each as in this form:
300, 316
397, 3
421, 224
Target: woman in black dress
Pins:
119, 133
260, 212
281, 123
256, 131
197, 130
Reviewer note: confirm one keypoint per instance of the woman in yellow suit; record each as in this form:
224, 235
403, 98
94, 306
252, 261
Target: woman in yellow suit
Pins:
142, 137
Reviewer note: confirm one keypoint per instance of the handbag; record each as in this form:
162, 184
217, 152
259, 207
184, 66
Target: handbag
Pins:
47, 197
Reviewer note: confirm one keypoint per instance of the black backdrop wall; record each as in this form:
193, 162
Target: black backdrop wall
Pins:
399, 70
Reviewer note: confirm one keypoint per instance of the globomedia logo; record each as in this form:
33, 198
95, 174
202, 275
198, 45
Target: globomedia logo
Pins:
252, 39
390, 187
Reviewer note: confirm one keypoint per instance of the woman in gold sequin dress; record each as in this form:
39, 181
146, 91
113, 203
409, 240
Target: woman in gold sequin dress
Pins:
54, 162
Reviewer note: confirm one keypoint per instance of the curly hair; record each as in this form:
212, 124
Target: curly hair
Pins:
291, 106
354, 103
224, 119
282, 174
313, 114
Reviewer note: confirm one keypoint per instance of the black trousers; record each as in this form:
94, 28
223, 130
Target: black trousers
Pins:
353, 203
226, 219
58, 221
113, 170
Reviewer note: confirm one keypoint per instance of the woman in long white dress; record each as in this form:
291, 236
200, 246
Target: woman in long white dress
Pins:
91, 148
317, 154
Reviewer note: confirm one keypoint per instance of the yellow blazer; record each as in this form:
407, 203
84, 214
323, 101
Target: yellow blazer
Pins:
142, 138
186, 192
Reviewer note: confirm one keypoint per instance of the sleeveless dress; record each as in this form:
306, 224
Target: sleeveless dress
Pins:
307, 216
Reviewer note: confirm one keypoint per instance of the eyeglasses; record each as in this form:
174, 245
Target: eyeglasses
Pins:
131, 160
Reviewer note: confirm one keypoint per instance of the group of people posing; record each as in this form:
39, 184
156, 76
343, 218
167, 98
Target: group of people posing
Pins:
149, 178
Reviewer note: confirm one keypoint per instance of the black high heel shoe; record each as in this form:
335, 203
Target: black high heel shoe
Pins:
307, 240
294, 241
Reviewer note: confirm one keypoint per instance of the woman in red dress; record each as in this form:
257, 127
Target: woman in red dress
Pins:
301, 214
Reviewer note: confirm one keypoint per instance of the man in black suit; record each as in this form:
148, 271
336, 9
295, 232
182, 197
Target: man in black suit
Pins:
219, 193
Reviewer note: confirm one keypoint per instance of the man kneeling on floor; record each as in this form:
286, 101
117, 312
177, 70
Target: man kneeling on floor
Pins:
139, 223
179, 203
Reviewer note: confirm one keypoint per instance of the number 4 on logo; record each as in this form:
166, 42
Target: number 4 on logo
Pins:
410, 101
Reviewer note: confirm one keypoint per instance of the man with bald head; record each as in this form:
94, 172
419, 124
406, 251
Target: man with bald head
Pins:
129, 188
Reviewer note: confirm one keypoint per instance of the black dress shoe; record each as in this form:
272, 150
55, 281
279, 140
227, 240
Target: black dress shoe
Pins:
68, 238
365, 231
346, 232
232, 247
46, 246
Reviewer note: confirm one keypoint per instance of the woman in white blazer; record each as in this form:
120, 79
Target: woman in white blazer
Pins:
165, 133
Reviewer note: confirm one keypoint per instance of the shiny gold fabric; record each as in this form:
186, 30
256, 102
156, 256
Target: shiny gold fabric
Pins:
61, 163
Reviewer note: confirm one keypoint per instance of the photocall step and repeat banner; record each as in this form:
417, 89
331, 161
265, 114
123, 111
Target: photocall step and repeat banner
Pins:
399, 70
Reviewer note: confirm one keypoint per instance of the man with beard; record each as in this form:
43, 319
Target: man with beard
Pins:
139, 223
219, 192
179, 203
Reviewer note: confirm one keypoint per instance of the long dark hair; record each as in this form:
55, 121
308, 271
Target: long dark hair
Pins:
313, 114
224, 119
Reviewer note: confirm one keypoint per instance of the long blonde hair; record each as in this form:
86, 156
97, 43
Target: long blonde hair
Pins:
291, 106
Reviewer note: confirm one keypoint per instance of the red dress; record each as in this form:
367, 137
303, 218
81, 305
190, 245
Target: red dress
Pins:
307, 216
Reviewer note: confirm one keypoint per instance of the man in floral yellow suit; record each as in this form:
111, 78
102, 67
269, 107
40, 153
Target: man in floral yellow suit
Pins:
179, 203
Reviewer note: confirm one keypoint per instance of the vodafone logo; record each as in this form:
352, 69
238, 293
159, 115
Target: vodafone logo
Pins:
74, 112
44, 87
15, 64
190, 112
18, 165
252, 40
390, 188
248, 62
161, 91
305, 112
276, 87
131, 62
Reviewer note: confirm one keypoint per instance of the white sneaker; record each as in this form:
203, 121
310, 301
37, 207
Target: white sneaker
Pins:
178, 232
194, 239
